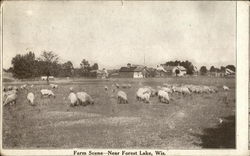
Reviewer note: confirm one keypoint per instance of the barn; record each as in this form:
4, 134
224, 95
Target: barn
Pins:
135, 71
164, 70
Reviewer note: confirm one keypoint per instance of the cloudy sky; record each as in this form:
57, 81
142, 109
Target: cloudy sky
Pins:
115, 33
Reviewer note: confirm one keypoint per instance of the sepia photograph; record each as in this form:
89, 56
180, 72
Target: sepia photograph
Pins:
119, 75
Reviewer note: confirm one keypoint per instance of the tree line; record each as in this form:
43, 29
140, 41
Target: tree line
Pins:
47, 64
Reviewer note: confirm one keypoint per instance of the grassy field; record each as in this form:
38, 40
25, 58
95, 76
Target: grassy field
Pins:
190, 122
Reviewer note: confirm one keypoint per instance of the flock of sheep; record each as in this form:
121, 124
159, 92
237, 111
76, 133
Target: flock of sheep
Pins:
143, 94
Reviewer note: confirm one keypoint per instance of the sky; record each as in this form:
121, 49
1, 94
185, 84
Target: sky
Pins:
115, 33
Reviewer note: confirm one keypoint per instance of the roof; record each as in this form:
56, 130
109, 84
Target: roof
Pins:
98, 71
132, 69
168, 68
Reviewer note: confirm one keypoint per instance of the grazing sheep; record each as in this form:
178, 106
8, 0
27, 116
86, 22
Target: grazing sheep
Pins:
10, 99
23, 86
31, 98
145, 97
177, 89
152, 91
10, 87
226, 88
168, 90
122, 97
54, 86
185, 91
73, 99
84, 98
124, 86
117, 85
163, 96
31, 86
71, 88
140, 93
105, 88
46, 92
129, 85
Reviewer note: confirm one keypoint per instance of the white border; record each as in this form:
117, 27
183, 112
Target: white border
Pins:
241, 100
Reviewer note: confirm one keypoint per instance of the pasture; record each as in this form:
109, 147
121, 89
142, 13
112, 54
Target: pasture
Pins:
188, 122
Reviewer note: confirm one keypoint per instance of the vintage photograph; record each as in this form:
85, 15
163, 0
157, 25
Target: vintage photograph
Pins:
118, 75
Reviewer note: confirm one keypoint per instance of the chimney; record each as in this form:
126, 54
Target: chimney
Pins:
129, 65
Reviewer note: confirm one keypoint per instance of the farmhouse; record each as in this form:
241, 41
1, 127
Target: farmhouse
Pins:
101, 74
135, 71
164, 70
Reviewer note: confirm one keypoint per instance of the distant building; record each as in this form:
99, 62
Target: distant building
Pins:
135, 71
164, 70
101, 74
229, 72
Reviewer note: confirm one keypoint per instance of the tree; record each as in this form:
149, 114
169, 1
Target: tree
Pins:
95, 66
212, 69
67, 69
49, 61
23, 65
203, 70
223, 69
49, 57
85, 67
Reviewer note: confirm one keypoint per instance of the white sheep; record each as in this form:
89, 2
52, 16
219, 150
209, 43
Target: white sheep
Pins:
31, 98
73, 99
31, 86
23, 86
140, 93
10, 87
105, 88
145, 98
117, 85
71, 88
163, 96
226, 88
10, 99
54, 86
122, 97
185, 91
84, 98
46, 92
168, 90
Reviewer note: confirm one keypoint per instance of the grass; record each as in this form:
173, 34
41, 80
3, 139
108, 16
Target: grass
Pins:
185, 123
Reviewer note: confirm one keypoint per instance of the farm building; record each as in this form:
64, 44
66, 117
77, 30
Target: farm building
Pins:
101, 74
164, 70
135, 71
229, 72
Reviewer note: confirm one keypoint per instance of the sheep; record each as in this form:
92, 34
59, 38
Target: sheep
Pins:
117, 85
145, 97
31, 86
73, 99
185, 91
177, 89
31, 98
122, 97
84, 98
46, 92
105, 88
226, 88
10, 87
54, 86
163, 96
129, 85
10, 99
168, 90
140, 93
71, 88
152, 91
124, 86
23, 86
